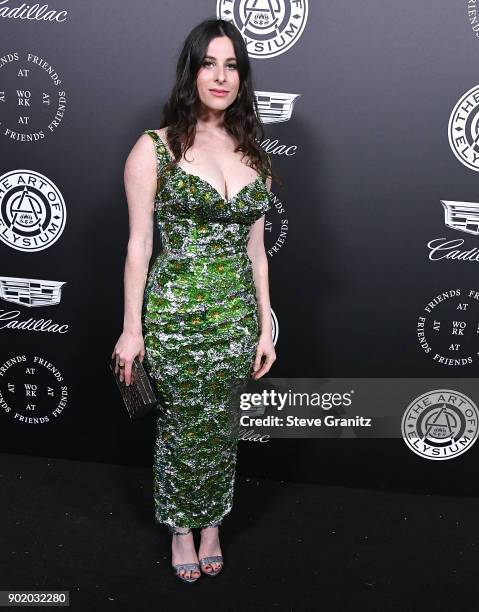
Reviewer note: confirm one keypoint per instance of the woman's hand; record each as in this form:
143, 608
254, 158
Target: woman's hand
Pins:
129, 346
265, 349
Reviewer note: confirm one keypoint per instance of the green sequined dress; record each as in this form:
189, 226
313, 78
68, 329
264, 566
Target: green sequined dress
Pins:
201, 329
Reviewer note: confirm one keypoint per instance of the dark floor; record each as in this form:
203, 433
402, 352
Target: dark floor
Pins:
87, 528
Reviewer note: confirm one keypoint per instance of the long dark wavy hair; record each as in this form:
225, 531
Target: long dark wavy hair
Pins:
240, 118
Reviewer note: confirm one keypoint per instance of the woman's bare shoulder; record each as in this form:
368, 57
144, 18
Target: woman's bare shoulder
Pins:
141, 160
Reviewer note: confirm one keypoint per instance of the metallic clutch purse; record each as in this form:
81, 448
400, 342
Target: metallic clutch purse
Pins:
138, 397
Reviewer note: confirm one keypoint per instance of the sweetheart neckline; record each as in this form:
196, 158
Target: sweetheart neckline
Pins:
202, 180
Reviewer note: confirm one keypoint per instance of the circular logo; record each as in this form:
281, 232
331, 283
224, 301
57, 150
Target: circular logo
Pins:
446, 329
274, 327
268, 28
463, 129
32, 390
32, 211
440, 424
276, 227
34, 99
472, 14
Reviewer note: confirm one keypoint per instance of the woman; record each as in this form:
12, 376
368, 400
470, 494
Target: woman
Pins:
203, 320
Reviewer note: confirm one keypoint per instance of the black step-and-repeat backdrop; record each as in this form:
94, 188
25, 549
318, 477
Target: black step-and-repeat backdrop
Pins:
371, 118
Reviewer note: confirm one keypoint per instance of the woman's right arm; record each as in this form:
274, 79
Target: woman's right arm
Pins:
140, 186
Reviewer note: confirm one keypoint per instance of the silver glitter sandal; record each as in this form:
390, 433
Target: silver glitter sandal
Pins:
213, 559
184, 566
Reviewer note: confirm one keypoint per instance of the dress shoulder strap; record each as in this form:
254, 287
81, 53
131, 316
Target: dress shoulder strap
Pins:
162, 156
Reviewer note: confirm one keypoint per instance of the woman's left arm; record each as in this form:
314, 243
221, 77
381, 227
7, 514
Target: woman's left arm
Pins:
265, 353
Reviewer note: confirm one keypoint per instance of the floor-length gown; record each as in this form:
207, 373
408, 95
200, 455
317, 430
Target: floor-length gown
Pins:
201, 329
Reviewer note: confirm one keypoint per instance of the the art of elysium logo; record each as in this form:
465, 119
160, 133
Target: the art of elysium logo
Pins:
269, 27
440, 424
32, 211
463, 129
